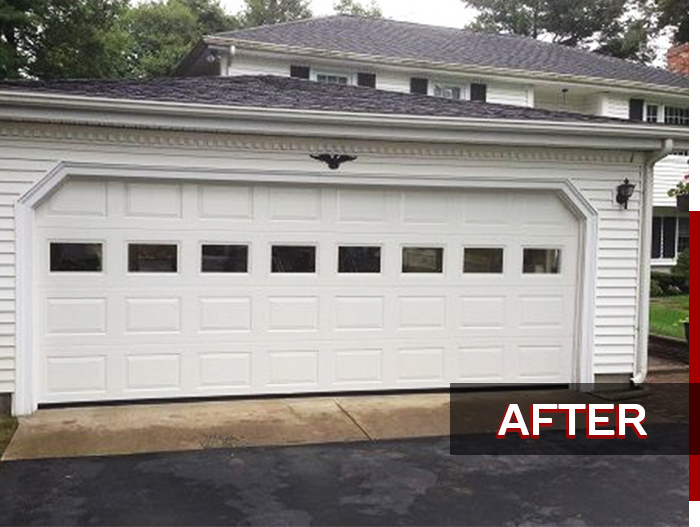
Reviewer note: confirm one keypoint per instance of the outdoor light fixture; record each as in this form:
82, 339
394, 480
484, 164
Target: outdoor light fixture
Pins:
624, 192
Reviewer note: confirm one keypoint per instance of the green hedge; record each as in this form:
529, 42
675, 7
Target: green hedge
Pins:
666, 284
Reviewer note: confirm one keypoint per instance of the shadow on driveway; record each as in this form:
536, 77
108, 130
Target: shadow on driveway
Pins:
408, 482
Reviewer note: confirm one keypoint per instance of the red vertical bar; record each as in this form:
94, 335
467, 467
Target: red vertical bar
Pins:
694, 380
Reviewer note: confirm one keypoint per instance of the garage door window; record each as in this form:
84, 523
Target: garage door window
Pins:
422, 259
293, 259
224, 258
483, 260
359, 259
541, 261
152, 258
76, 257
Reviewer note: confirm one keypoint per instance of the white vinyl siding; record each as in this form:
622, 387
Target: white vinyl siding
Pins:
618, 276
616, 106
502, 93
667, 174
27, 154
569, 102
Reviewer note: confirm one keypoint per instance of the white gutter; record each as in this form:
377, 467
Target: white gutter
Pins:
101, 111
642, 355
443, 67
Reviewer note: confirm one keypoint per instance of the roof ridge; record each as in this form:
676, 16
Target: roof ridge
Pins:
277, 24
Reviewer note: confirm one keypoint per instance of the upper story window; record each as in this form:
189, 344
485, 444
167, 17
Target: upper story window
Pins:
333, 78
676, 115
652, 113
446, 91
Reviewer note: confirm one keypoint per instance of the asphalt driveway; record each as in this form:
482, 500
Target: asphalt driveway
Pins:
406, 482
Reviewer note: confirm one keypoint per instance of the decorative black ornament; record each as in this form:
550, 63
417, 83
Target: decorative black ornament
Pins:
333, 160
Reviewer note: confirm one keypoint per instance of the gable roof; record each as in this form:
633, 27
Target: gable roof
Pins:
380, 37
294, 94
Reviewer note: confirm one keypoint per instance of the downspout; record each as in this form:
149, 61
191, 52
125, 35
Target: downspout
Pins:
641, 357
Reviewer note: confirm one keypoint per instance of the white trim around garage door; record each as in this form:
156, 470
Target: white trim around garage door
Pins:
25, 400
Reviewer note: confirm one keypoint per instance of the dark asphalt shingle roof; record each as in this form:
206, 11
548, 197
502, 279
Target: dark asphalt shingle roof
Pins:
289, 93
405, 40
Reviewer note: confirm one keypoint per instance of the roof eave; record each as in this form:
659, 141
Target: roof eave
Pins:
519, 74
70, 109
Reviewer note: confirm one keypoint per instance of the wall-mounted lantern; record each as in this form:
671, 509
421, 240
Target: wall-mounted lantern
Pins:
625, 192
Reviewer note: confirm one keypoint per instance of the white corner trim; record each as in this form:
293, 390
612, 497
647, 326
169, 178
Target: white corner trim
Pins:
26, 397
647, 172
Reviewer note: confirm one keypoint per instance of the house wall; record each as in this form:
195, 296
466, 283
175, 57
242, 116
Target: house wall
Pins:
667, 173
616, 106
29, 152
387, 79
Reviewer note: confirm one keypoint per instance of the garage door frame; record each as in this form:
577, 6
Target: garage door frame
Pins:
25, 400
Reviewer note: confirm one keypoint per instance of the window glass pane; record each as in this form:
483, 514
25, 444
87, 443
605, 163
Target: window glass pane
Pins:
447, 92
652, 113
332, 79
656, 231
293, 259
673, 115
152, 258
224, 258
76, 257
359, 259
683, 234
541, 261
483, 260
422, 260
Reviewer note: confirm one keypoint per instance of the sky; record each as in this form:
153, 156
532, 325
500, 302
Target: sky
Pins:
435, 12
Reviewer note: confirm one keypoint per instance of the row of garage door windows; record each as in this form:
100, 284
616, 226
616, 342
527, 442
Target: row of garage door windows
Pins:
219, 258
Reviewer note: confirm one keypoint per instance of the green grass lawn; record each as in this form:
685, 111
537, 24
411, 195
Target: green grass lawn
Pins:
667, 314
7, 428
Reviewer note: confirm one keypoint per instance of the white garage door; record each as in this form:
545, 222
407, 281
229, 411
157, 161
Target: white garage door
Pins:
152, 290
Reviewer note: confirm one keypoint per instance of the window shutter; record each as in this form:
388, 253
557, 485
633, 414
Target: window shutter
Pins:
636, 109
669, 237
300, 72
656, 238
419, 85
367, 79
478, 92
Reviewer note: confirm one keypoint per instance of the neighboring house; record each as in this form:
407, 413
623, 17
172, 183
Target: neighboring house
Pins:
190, 237
461, 64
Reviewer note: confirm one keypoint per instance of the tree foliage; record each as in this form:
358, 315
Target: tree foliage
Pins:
62, 38
353, 7
265, 12
620, 28
675, 14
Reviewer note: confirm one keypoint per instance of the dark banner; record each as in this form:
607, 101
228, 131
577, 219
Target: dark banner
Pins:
579, 420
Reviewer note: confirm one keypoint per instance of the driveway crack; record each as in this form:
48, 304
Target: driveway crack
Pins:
355, 421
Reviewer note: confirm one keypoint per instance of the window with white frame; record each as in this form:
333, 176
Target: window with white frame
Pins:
333, 78
670, 236
677, 115
446, 91
652, 113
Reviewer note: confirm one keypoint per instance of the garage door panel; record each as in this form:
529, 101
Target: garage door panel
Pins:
356, 207
84, 198
225, 314
226, 202
146, 200
118, 334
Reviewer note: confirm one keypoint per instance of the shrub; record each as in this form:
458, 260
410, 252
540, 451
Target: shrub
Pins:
656, 289
682, 267
670, 282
